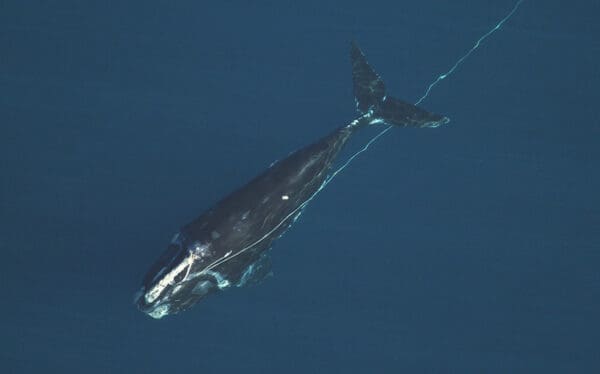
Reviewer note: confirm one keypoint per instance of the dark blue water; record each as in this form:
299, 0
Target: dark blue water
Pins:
472, 248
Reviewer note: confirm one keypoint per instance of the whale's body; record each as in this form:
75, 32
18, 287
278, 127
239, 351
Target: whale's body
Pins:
227, 246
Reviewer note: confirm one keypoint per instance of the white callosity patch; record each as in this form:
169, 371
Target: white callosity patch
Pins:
168, 279
160, 311
222, 283
198, 251
376, 121
285, 197
201, 250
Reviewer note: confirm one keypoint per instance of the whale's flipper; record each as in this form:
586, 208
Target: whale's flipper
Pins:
370, 96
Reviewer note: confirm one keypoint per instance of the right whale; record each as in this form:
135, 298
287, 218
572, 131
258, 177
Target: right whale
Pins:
227, 246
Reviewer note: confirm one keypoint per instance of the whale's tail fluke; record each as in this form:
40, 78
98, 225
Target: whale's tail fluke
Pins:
371, 97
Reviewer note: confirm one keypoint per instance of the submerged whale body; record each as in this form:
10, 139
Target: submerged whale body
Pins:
227, 246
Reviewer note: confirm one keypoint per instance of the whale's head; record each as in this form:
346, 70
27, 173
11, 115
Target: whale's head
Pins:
178, 280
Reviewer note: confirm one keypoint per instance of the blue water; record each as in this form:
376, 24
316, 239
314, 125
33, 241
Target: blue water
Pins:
472, 248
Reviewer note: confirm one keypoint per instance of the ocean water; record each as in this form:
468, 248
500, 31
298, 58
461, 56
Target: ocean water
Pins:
471, 248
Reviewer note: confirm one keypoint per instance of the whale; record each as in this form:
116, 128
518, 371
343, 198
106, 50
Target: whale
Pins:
229, 245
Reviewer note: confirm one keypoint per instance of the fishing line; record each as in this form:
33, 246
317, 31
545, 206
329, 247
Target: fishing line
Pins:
441, 77
433, 84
